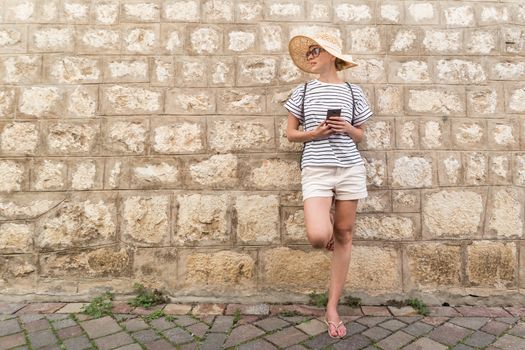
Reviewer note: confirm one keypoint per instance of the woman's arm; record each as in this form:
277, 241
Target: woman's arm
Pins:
293, 134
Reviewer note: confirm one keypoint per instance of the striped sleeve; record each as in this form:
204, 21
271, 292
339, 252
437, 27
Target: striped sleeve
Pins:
362, 108
294, 103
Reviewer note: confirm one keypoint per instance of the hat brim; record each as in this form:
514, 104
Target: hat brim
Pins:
299, 45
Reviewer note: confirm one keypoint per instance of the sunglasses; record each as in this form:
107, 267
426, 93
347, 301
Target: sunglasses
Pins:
315, 52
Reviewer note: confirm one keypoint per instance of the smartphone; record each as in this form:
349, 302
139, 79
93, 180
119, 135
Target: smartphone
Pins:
333, 113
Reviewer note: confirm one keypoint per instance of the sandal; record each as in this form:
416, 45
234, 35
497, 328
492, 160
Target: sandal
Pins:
332, 323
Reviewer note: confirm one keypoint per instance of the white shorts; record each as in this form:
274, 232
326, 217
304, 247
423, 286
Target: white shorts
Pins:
325, 181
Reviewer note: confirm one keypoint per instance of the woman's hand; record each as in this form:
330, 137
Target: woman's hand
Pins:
339, 125
322, 131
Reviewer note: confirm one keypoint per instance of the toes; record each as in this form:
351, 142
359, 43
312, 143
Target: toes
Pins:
341, 330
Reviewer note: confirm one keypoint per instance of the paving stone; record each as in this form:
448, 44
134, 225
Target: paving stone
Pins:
10, 341
354, 342
271, 323
6, 317
136, 324
312, 327
100, 327
162, 324
177, 309
247, 319
71, 308
449, 334
480, 339
132, 347
83, 317
510, 342
143, 311
38, 325
21, 348
160, 344
41, 308
213, 341
198, 329
396, 341
121, 308
402, 311
443, 311
425, 344
56, 317
305, 310
177, 336
434, 321
78, 343
375, 311
354, 328
518, 330
483, 311
208, 309
241, 334
188, 346
124, 317
371, 321
26, 318
345, 310
509, 320
9, 327
41, 338
145, 336
392, 325
69, 332
10, 308
470, 322
259, 344
409, 319
495, 328
248, 309
185, 320
64, 323
376, 333
297, 347
462, 347
208, 319
51, 347
287, 337
321, 341
222, 324
516, 311
418, 329
113, 341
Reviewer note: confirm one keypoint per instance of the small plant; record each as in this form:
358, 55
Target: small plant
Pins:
154, 315
397, 303
146, 297
420, 306
99, 306
353, 301
236, 316
318, 299
289, 313
170, 318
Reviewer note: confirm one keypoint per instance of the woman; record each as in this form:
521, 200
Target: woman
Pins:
331, 166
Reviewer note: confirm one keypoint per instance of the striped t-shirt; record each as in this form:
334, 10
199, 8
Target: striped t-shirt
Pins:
337, 149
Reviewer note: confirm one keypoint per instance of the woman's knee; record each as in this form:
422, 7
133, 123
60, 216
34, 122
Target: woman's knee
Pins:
343, 234
319, 238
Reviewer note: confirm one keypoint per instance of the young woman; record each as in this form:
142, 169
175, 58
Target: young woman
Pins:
332, 169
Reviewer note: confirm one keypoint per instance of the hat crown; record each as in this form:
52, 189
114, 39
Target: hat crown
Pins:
329, 40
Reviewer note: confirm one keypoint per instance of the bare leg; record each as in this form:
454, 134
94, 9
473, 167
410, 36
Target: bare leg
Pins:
345, 214
319, 228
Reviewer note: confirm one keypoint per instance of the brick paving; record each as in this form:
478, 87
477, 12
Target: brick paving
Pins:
45, 326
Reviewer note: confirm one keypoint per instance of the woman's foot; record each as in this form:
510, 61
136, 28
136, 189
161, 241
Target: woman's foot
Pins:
336, 327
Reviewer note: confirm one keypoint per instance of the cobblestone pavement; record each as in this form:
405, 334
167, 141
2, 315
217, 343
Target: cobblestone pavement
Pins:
258, 327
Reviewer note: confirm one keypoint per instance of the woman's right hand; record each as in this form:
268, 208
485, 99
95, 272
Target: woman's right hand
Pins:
322, 131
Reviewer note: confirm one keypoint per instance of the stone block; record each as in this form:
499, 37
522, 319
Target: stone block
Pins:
173, 38
459, 71
131, 99
27, 206
492, 14
500, 172
492, 264
76, 11
288, 72
72, 137
106, 12
98, 39
377, 201
512, 41
162, 71
379, 135
18, 271
394, 227
82, 101
191, 71
140, 11
431, 265
14, 38
116, 173
272, 38
86, 174
409, 70
126, 70
145, 219
485, 101
391, 12
156, 173
41, 101
476, 168
458, 15
435, 133
507, 69
83, 221
125, 135
292, 224
241, 134
361, 12
16, 238
368, 70
20, 12
284, 10
7, 102
404, 40
93, 263
319, 11
14, 174
442, 41
178, 135
218, 171
407, 133
505, 213
374, 269
156, 267
288, 269
63, 69
218, 271
366, 40
241, 39
241, 101
21, 69
140, 39
181, 10
49, 174
514, 94
248, 11
519, 169
221, 71
412, 170
450, 168
284, 145
217, 11
468, 134
419, 12
256, 70
406, 201
257, 219
376, 169
190, 101
202, 219
389, 100
204, 39
438, 101
503, 134
51, 38
481, 41
270, 174
453, 213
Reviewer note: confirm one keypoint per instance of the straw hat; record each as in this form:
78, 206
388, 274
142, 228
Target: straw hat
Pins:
299, 45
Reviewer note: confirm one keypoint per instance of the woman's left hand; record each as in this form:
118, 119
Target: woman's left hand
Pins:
339, 125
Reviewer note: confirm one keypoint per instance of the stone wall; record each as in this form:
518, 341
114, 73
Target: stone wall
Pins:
144, 141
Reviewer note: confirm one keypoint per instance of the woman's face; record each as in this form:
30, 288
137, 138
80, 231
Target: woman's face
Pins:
319, 59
